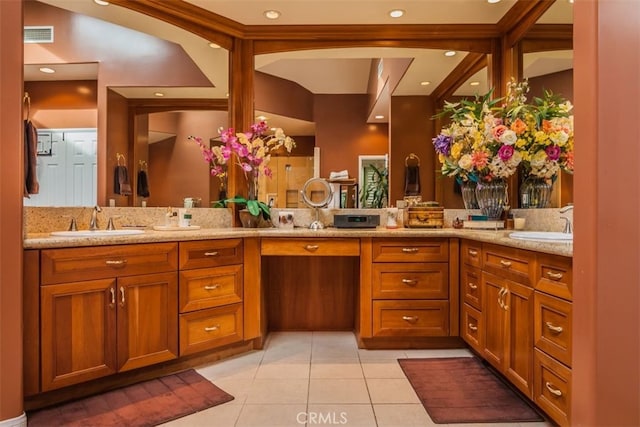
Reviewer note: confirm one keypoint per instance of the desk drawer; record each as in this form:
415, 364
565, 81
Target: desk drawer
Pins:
210, 253
471, 327
411, 280
310, 247
470, 286
103, 262
410, 318
553, 326
554, 275
210, 287
552, 387
406, 250
515, 264
207, 329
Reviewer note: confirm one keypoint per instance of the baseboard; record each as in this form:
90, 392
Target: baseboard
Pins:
20, 421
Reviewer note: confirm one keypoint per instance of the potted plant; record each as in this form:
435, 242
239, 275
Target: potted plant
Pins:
375, 192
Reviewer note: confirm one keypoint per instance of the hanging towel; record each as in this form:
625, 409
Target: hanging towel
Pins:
143, 184
31, 185
412, 181
121, 183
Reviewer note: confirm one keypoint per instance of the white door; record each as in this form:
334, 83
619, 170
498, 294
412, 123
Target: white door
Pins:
68, 176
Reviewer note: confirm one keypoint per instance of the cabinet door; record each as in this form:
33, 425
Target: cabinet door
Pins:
78, 322
494, 319
519, 342
147, 319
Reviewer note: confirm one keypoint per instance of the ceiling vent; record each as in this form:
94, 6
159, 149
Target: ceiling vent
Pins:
43, 34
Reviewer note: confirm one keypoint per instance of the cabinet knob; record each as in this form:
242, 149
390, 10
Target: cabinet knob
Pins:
552, 327
505, 264
473, 252
552, 389
121, 296
116, 263
312, 248
472, 286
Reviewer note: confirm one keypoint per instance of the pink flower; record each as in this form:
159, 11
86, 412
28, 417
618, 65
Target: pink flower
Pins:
553, 152
498, 131
505, 152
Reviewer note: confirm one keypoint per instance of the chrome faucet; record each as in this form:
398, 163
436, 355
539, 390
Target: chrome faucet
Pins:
93, 223
567, 222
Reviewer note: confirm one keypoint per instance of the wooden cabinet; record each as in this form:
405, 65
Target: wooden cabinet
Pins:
472, 322
553, 335
99, 326
507, 311
410, 288
211, 294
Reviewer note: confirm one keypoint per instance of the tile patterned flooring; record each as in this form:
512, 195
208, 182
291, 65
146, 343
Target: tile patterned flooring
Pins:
317, 379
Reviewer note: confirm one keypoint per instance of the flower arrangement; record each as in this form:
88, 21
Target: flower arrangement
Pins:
488, 139
251, 151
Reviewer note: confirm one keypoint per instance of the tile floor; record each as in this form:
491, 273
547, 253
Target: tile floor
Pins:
315, 379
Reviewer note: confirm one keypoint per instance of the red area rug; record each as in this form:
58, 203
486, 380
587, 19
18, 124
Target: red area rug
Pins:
463, 390
144, 404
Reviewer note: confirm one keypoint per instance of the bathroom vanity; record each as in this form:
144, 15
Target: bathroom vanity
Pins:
103, 312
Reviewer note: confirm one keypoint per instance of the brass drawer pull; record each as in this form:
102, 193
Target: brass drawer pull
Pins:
410, 319
211, 287
121, 296
115, 263
472, 286
505, 264
312, 248
500, 303
410, 250
473, 327
552, 389
212, 328
554, 276
556, 329
215, 253
113, 297
409, 281
473, 252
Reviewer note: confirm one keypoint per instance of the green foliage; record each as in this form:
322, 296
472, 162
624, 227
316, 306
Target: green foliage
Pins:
255, 207
376, 189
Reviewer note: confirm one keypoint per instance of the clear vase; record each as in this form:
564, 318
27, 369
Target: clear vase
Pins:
492, 198
468, 189
535, 192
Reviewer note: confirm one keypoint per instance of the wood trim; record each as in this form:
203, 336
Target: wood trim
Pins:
470, 64
253, 294
364, 314
147, 106
520, 18
454, 287
31, 335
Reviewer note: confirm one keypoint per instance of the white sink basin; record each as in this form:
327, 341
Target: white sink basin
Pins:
542, 236
96, 233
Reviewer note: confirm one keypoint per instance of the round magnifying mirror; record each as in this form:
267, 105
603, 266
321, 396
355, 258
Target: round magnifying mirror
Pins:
316, 193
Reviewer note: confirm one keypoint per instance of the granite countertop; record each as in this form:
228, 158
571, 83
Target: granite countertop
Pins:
501, 237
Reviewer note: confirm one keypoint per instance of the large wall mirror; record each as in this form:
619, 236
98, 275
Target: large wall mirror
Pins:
345, 102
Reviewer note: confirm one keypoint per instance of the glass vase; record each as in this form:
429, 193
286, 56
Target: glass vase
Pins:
535, 193
468, 189
492, 198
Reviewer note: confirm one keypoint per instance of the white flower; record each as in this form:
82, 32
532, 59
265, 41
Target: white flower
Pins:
465, 162
508, 137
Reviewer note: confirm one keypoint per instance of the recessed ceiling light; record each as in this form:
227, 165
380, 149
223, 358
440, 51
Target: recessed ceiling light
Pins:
474, 84
450, 53
226, 94
47, 70
379, 117
159, 94
396, 13
101, 2
214, 45
493, 1
261, 118
425, 83
272, 14
571, 1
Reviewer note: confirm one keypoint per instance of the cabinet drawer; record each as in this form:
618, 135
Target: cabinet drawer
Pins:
471, 253
553, 326
411, 281
410, 318
511, 263
554, 275
552, 387
210, 253
207, 329
310, 247
470, 286
102, 262
405, 250
210, 287
472, 331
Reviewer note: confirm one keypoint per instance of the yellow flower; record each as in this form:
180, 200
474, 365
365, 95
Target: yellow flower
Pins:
520, 143
456, 150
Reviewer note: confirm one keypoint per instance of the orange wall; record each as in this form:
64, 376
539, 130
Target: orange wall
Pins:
63, 104
606, 304
283, 97
342, 134
11, 186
